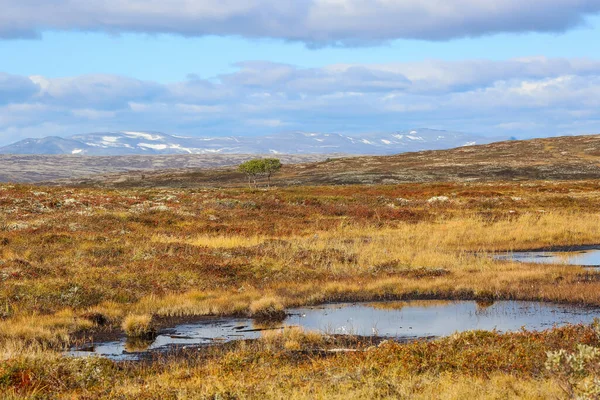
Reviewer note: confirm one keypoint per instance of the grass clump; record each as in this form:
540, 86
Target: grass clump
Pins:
139, 326
292, 339
268, 309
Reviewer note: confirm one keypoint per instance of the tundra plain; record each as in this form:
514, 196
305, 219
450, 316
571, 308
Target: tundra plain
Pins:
82, 263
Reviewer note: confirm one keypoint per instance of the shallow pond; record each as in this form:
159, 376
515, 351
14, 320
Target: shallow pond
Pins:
587, 257
396, 320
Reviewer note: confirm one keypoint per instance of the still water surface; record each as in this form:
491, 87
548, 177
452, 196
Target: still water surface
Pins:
586, 258
394, 320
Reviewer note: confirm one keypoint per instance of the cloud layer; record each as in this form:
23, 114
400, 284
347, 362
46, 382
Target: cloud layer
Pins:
317, 22
534, 96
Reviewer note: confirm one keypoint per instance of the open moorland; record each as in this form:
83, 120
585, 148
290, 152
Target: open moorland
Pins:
81, 263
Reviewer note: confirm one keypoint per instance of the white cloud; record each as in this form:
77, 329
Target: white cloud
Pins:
271, 123
317, 22
93, 114
14, 88
198, 109
535, 95
98, 90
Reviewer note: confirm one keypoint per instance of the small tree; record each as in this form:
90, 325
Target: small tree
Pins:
260, 167
271, 166
251, 169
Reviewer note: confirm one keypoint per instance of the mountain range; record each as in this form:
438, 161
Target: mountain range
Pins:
156, 143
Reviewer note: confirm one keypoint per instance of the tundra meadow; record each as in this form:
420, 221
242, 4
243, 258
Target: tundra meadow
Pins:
79, 264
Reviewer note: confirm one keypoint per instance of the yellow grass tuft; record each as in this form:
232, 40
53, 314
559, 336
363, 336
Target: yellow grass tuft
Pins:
220, 242
269, 308
43, 329
138, 326
291, 339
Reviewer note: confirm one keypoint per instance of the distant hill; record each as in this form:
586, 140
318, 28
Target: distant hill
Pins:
155, 143
561, 158
31, 168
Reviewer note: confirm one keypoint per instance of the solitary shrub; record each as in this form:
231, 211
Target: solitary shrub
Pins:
138, 326
260, 167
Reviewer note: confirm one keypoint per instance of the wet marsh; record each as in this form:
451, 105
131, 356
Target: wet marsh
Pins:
398, 321
77, 264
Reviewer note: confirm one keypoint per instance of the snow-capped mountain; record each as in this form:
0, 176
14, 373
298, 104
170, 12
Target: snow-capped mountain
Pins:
135, 143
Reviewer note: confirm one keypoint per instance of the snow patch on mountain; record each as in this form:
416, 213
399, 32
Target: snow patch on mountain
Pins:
153, 146
143, 135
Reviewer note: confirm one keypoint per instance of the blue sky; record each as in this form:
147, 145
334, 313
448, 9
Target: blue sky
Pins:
207, 67
170, 58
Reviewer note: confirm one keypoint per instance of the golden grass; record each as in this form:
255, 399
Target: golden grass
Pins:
267, 308
219, 242
108, 263
294, 364
425, 387
138, 326
43, 329
291, 339
391, 257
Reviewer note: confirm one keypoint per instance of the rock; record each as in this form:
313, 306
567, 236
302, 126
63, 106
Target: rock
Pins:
438, 199
160, 208
17, 226
74, 227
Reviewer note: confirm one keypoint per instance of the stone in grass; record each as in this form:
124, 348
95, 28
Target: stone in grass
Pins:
438, 199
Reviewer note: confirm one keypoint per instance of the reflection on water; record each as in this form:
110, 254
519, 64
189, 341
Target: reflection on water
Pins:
399, 320
203, 333
398, 305
483, 305
588, 258
135, 345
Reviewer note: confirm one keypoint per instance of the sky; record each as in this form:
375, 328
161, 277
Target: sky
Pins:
253, 67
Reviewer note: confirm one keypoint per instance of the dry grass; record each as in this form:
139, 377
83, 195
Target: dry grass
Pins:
298, 365
108, 260
138, 326
217, 242
43, 329
108, 254
267, 308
